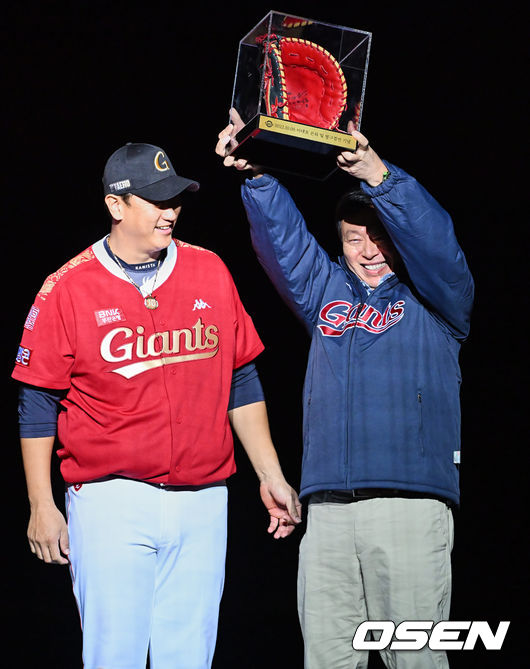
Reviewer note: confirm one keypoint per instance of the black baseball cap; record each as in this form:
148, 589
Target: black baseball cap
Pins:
143, 170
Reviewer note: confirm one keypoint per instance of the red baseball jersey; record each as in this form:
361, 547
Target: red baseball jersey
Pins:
147, 389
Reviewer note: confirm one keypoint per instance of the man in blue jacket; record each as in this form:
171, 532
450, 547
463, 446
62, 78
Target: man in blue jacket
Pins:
381, 402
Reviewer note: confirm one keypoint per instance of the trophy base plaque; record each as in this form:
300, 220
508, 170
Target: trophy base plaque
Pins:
288, 146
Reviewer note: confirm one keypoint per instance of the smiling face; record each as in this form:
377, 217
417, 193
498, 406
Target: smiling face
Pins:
367, 248
141, 229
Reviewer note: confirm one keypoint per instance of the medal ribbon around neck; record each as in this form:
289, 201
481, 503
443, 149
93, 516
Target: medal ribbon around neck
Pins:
150, 300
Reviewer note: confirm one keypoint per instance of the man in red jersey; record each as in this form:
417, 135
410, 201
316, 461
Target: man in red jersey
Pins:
137, 353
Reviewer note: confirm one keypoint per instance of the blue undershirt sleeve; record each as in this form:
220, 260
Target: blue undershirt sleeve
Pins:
246, 387
38, 407
37, 411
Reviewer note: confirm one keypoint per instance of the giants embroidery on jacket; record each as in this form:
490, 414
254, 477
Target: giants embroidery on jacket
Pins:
340, 315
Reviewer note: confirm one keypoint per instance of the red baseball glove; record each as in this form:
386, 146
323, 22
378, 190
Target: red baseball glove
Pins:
303, 82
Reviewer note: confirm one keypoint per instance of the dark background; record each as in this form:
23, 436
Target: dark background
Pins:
445, 97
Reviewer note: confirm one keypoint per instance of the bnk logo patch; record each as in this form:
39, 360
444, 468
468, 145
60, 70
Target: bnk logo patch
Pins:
108, 316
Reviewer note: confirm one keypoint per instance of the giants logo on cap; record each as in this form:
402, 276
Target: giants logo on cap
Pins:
161, 163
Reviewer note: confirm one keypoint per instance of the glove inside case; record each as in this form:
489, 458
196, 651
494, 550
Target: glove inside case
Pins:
298, 83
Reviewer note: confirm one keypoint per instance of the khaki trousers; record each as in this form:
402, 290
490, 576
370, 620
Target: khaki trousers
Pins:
374, 559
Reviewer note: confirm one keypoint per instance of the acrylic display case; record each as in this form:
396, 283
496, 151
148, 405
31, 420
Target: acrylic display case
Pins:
299, 86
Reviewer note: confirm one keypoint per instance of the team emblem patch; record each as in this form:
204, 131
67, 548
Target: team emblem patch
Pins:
23, 356
108, 316
32, 317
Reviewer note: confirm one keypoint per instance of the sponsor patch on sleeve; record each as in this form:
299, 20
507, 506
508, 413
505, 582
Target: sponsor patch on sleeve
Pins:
32, 317
108, 316
23, 356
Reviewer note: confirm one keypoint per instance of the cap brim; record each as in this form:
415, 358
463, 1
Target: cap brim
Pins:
166, 189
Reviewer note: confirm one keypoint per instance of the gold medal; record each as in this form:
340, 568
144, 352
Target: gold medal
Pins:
151, 302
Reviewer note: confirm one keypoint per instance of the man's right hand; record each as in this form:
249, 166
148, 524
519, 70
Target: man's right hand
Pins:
48, 534
227, 142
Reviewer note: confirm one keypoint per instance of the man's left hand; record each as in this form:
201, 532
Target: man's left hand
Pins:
363, 163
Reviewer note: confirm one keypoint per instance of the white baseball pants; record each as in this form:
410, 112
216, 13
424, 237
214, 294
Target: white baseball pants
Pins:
147, 567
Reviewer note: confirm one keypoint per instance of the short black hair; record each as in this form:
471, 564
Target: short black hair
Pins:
350, 204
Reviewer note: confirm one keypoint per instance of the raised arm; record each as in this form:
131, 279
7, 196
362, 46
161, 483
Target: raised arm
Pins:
422, 232
294, 261
296, 264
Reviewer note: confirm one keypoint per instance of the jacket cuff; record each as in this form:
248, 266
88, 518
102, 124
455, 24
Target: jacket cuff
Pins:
260, 182
384, 186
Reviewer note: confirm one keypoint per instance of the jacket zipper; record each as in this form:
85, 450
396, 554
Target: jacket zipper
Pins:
349, 393
420, 435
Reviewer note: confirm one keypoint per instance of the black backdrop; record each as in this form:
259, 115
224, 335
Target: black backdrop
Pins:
443, 101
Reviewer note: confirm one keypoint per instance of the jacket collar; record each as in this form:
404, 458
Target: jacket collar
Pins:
361, 286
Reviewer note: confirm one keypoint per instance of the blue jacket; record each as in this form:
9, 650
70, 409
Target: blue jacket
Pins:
381, 393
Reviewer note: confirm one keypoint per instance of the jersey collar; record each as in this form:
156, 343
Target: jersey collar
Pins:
108, 263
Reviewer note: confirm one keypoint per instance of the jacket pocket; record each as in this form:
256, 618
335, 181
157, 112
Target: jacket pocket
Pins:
306, 425
421, 443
